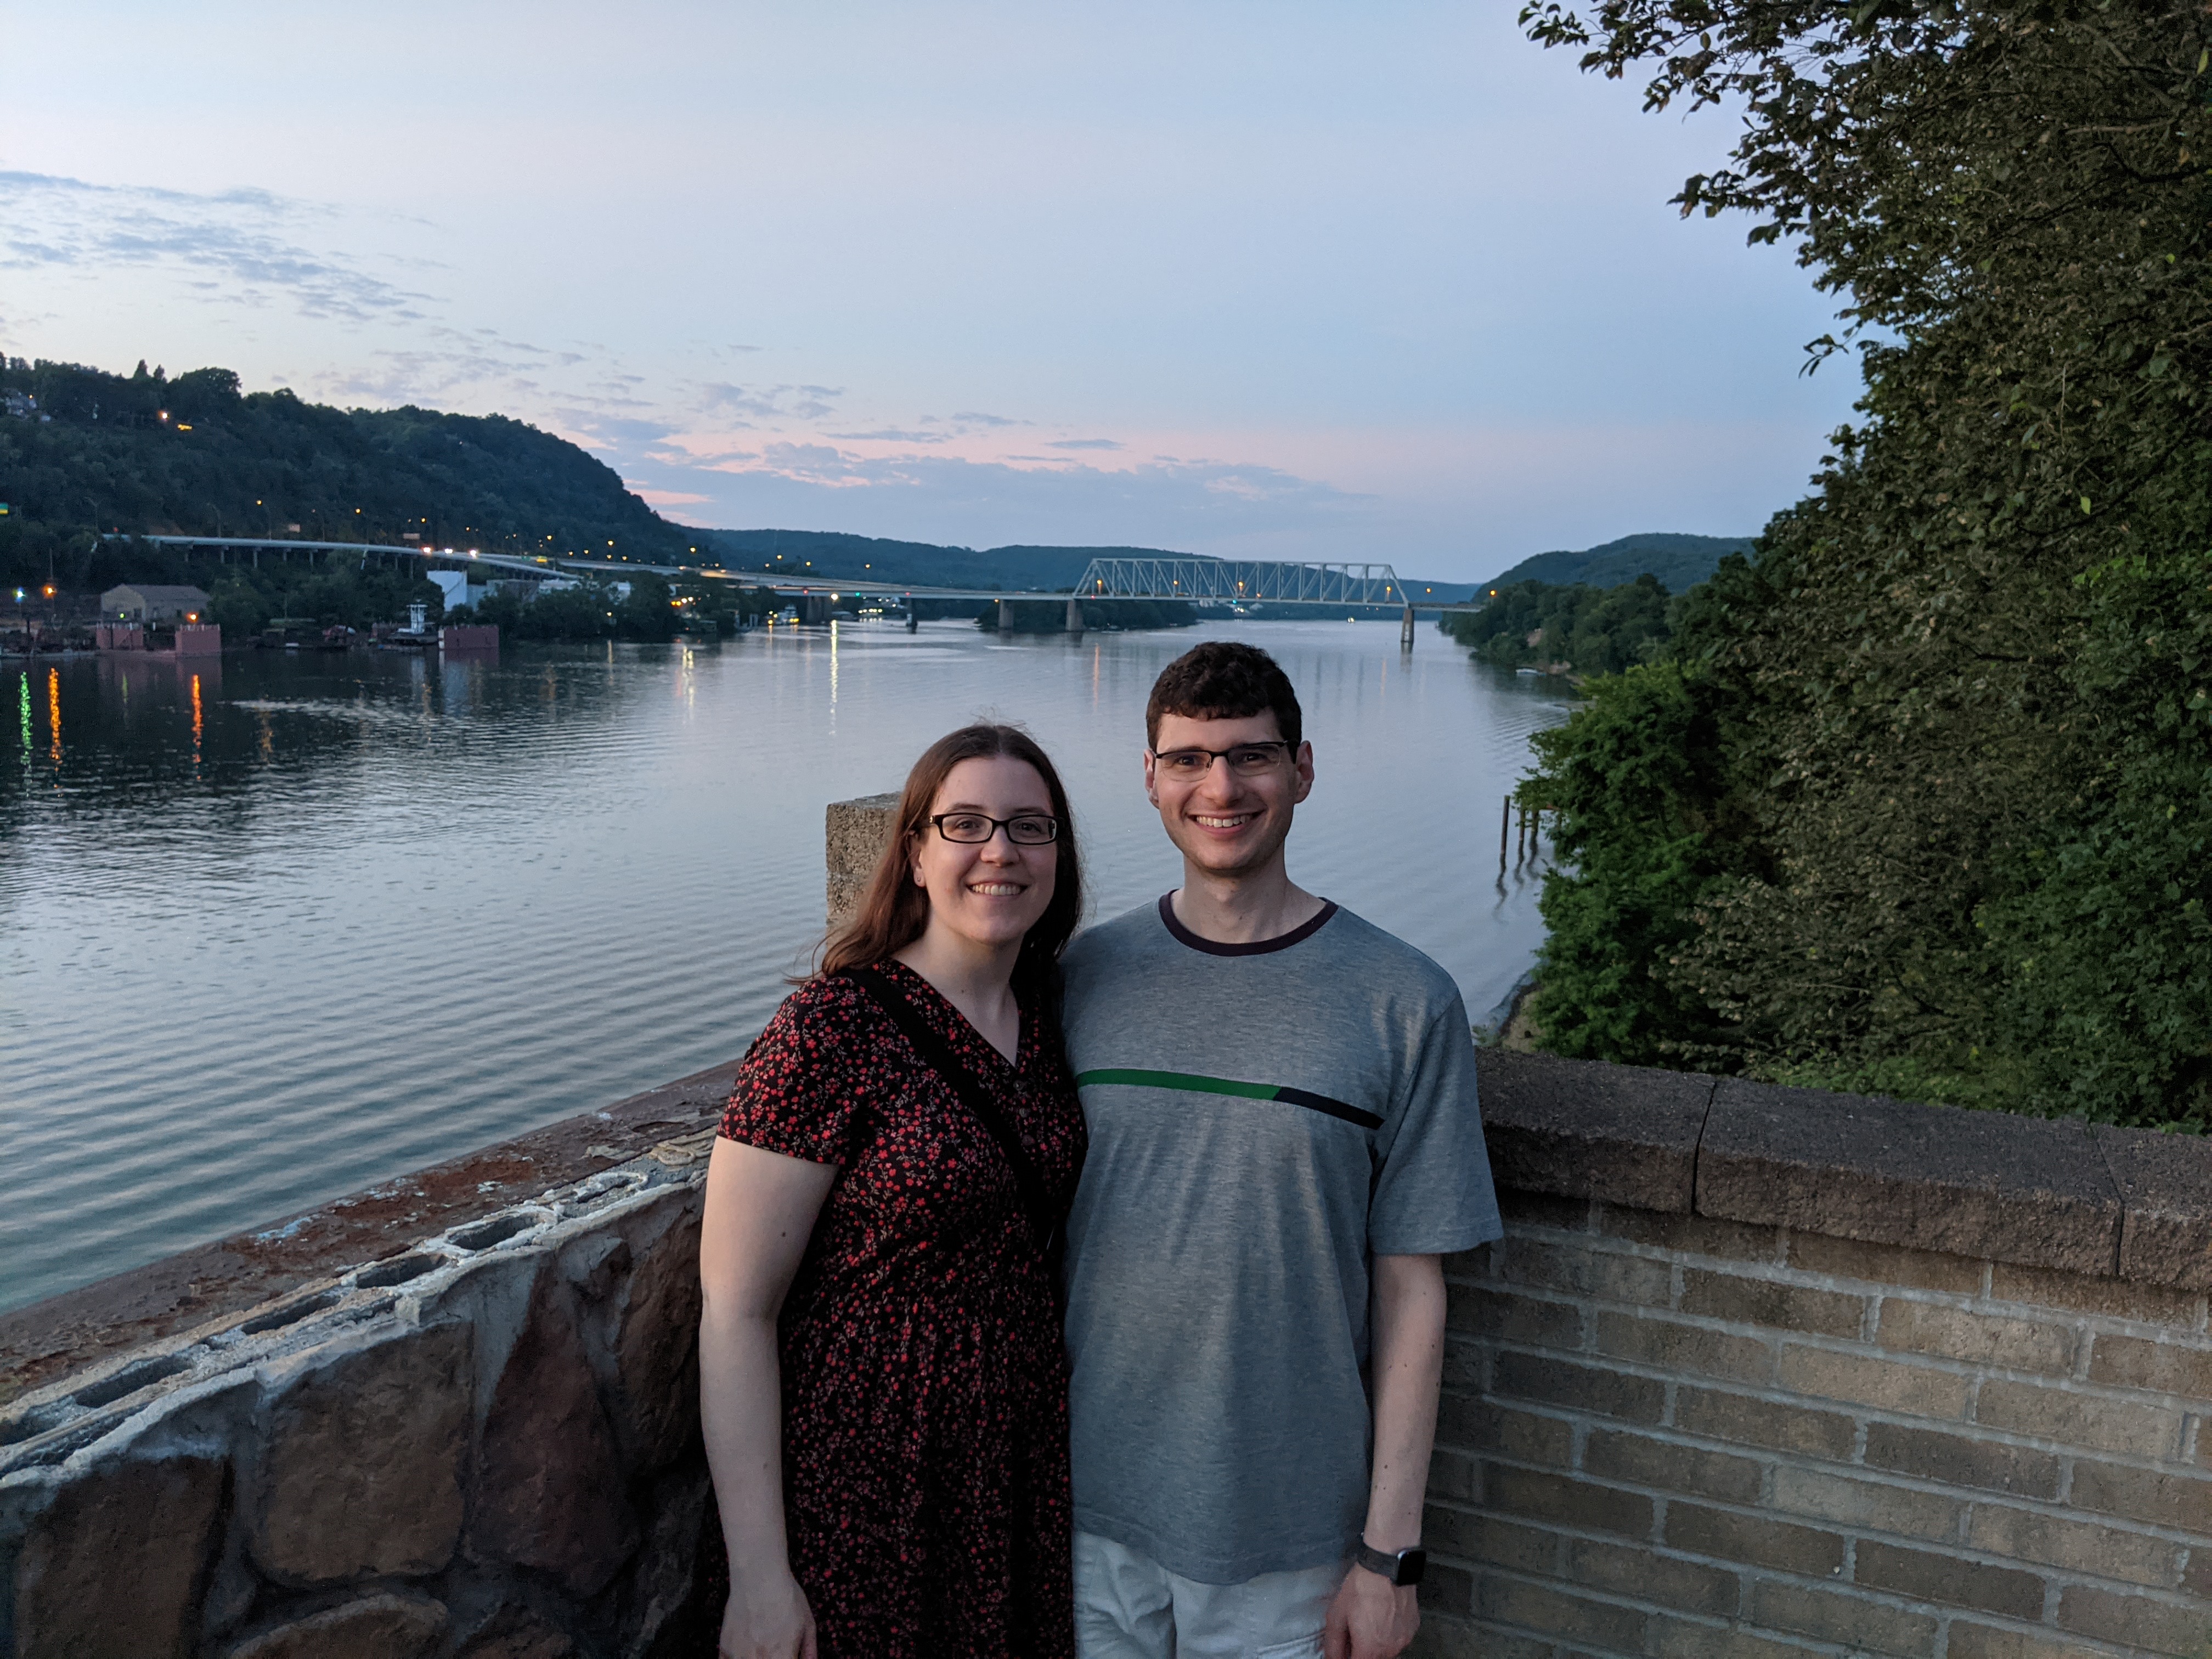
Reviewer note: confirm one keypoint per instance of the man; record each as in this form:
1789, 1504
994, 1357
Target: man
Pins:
1283, 1142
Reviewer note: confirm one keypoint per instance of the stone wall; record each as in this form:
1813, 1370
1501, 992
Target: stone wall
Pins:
486, 1445
1756, 1373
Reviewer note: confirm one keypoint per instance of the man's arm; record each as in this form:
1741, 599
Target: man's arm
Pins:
1370, 1618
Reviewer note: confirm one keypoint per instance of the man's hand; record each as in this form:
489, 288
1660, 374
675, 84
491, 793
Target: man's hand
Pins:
1370, 1618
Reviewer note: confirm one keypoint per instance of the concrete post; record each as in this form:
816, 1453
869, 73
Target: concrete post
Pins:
1005, 615
856, 832
912, 622
1075, 617
1405, 631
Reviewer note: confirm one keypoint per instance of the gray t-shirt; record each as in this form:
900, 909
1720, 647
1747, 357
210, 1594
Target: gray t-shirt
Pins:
1264, 1118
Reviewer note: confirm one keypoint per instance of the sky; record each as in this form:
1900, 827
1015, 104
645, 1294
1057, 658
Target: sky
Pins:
1382, 282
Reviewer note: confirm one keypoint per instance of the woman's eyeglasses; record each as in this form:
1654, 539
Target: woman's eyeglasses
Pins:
973, 829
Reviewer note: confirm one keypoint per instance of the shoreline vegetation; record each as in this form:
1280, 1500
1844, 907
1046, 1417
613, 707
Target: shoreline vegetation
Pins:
1918, 799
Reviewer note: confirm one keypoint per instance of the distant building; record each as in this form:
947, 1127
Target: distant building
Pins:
141, 603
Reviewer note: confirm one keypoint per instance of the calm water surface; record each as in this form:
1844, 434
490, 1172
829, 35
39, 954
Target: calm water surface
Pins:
277, 929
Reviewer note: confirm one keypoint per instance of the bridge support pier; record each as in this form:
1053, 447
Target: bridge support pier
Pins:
1005, 615
912, 624
1405, 631
1075, 617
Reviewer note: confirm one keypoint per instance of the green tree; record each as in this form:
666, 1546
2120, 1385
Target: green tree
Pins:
1946, 758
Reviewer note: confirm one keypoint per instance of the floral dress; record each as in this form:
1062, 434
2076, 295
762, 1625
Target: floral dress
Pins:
925, 1382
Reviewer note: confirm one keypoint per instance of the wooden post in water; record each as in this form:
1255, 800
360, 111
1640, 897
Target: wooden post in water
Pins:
1505, 829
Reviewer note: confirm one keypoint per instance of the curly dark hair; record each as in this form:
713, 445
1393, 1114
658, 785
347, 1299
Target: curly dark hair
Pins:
1224, 680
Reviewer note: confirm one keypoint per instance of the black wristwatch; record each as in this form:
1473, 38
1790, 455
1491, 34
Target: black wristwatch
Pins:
1401, 1567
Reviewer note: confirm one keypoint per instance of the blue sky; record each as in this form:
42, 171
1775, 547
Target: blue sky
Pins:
1381, 281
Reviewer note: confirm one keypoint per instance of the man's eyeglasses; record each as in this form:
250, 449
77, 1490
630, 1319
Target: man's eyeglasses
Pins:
974, 829
1246, 760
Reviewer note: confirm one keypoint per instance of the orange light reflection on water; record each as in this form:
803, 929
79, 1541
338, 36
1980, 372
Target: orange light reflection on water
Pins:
198, 722
54, 713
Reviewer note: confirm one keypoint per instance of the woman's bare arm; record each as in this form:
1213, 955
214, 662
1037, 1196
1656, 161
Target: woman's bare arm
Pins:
761, 1210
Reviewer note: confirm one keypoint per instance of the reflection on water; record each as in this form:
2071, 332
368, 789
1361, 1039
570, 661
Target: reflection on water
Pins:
276, 929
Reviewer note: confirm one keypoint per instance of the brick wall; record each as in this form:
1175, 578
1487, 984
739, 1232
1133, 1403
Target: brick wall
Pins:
1670, 1434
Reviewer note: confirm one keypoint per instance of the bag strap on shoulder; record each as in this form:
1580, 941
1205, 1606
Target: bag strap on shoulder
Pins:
937, 1053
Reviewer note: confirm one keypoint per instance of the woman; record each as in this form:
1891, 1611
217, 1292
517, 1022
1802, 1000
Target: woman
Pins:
898, 1155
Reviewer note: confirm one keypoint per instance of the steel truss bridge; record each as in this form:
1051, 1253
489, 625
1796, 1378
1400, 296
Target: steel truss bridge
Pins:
1307, 584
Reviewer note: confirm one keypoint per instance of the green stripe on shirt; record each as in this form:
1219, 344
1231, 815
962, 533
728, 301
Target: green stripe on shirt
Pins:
1223, 1085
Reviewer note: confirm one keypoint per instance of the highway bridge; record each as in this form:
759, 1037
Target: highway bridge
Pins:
1308, 584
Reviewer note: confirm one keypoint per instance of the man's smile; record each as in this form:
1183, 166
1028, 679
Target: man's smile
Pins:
1218, 821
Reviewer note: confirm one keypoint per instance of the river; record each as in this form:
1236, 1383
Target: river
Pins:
273, 929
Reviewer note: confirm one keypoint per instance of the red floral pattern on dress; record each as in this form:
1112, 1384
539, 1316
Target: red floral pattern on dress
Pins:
925, 1381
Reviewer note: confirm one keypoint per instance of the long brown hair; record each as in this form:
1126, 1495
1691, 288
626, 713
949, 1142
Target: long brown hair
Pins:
895, 909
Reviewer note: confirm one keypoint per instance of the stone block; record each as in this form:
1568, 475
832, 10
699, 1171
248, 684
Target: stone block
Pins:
1556, 1612
2082, 1546
1445, 1589
1957, 1460
1972, 1641
550, 1489
2136, 1621
1759, 1541
1746, 1421
2074, 1418
1449, 1635
2130, 1362
2119, 1299
854, 835
1692, 1350
1452, 1474
1927, 1177
1864, 1506
114, 1567
657, 1348
1522, 1210
1581, 1270
1503, 1316
1543, 1496
518, 1632
386, 1625
1990, 1339
1578, 1387
1489, 1540
364, 1450
1857, 1623
1742, 1300
2166, 1189
1679, 1638
1580, 1129
2154, 1497
1467, 1363
1948, 1580
1486, 1426
1891, 1266
1694, 1234
1638, 1573
1667, 1465
666, 1588
1868, 1380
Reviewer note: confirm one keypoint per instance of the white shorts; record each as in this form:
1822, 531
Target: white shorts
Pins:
1127, 1606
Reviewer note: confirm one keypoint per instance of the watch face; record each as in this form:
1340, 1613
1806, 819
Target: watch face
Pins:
1412, 1564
